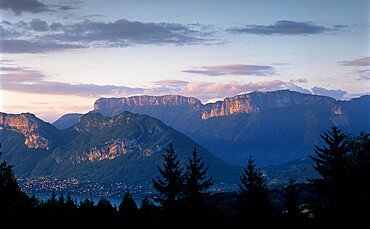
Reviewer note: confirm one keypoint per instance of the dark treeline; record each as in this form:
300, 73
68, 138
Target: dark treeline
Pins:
339, 197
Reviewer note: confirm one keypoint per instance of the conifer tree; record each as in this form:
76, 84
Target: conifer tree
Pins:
330, 163
170, 183
253, 196
196, 183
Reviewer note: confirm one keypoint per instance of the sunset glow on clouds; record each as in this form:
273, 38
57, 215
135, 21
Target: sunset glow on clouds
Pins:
60, 56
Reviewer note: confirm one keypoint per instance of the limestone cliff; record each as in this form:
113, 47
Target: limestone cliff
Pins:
33, 129
257, 101
187, 106
145, 100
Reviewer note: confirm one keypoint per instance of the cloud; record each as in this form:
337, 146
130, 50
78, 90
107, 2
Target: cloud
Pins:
206, 91
170, 82
124, 33
364, 74
25, 46
39, 36
358, 62
20, 6
293, 87
281, 28
300, 80
336, 94
39, 25
234, 69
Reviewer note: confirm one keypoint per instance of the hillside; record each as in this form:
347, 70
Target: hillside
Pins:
125, 148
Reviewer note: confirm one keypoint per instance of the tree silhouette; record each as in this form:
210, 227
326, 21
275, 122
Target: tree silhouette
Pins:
196, 184
330, 164
253, 196
14, 203
170, 184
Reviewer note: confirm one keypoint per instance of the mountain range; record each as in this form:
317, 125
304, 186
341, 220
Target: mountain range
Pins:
275, 126
122, 139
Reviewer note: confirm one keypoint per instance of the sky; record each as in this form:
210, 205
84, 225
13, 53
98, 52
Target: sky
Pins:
60, 56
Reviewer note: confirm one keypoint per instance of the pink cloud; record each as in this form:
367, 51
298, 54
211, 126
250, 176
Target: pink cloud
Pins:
358, 62
170, 82
205, 91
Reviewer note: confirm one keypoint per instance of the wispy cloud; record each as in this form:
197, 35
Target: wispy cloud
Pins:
358, 62
234, 69
39, 46
29, 37
281, 28
171, 83
364, 74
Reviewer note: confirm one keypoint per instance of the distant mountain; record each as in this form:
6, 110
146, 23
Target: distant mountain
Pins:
67, 121
125, 148
274, 126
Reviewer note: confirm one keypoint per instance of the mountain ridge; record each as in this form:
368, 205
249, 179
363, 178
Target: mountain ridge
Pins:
237, 126
124, 148
244, 103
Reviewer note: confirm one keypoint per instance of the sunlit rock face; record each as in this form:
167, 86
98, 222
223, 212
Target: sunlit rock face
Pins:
29, 126
145, 100
160, 106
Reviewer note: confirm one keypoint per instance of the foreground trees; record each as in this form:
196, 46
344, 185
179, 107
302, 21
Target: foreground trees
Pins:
253, 196
170, 184
182, 193
344, 165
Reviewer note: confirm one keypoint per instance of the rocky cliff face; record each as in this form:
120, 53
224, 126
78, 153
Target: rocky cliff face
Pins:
246, 103
145, 100
257, 101
29, 126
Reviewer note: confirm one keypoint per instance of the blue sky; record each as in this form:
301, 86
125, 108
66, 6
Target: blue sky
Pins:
60, 56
